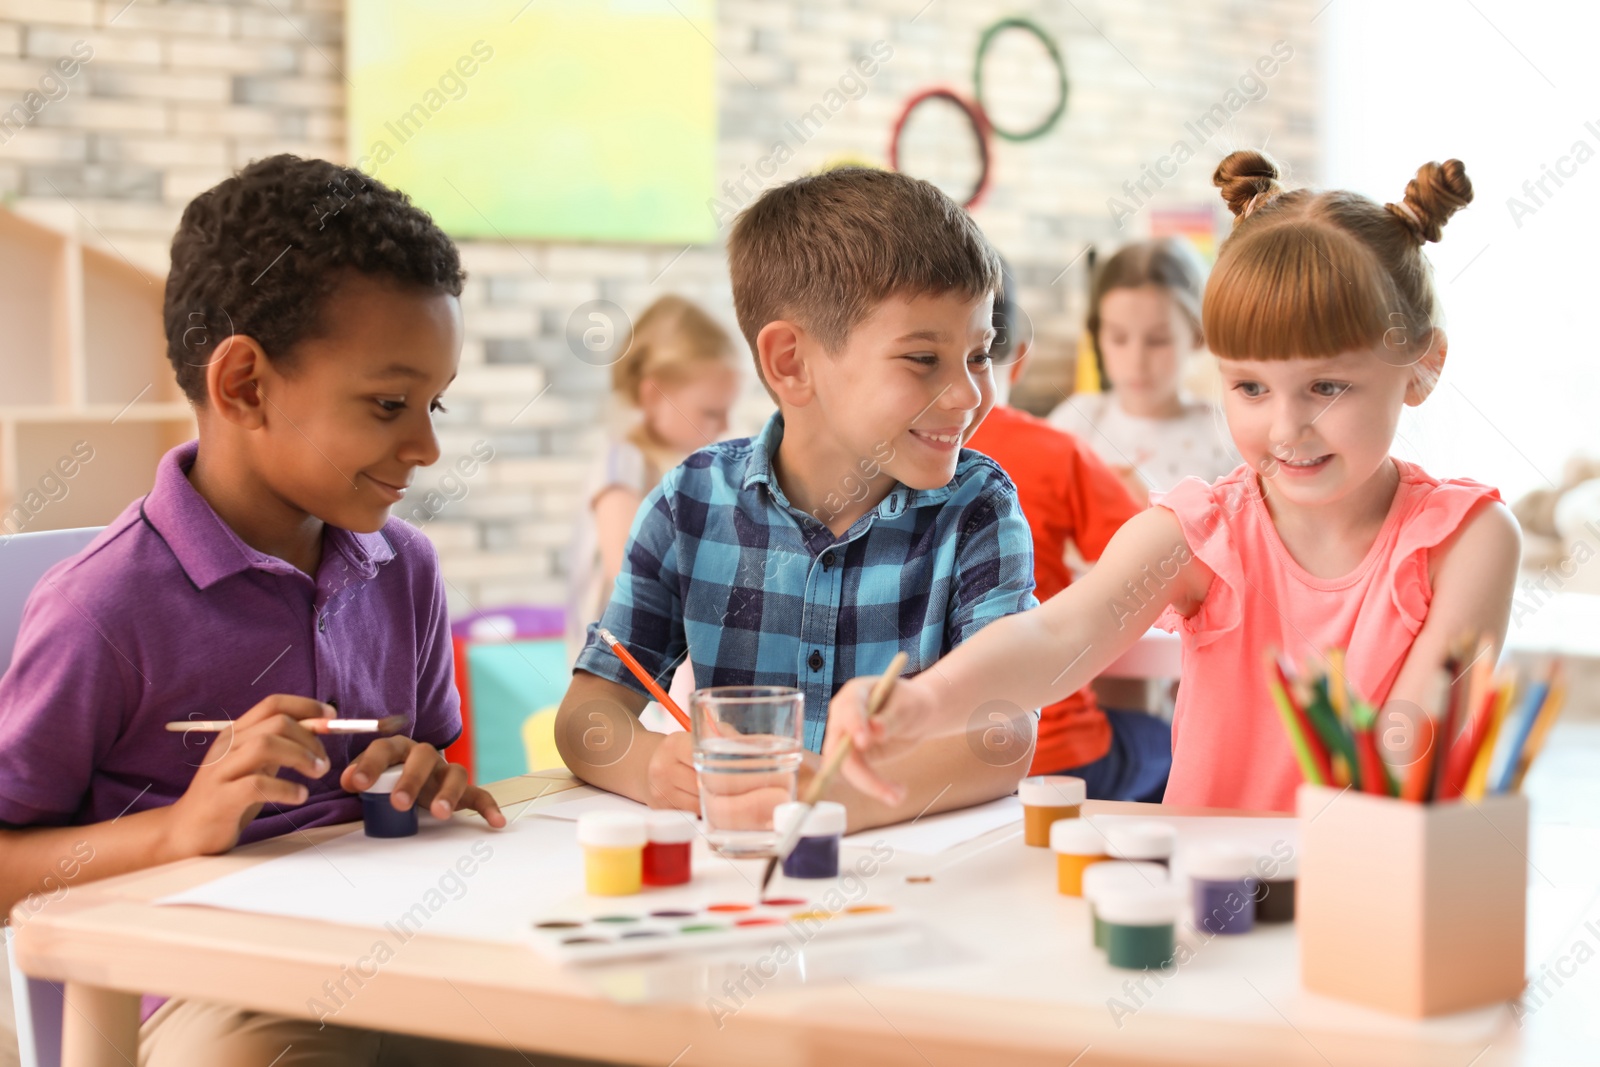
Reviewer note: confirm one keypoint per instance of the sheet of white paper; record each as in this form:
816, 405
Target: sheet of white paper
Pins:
585, 799
933, 834
454, 879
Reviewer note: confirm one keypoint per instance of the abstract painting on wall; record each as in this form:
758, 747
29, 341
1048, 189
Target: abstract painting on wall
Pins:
579, 120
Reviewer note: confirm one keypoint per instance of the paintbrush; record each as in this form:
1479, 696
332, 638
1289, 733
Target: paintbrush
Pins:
825, 776
389, 724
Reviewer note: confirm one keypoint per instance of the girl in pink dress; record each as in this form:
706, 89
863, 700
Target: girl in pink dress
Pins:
1322, 313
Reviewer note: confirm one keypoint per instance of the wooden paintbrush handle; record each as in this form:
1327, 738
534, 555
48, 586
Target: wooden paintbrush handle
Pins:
875, 700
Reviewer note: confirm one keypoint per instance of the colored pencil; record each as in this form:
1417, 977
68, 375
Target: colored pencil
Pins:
644, 676
1310, 769
1374, 774
1414, 787
1541, 730
1481, 695
1478, 776
1338, 688
1521, 727
1455, 694
389, 724
1341, 750
1465, 754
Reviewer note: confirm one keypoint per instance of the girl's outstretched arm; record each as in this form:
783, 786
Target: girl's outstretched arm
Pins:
1474, 576
1030, 659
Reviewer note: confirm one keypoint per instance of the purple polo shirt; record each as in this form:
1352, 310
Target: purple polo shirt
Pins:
168, 615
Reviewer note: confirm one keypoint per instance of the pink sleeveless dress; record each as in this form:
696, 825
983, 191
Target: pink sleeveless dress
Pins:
1229, 748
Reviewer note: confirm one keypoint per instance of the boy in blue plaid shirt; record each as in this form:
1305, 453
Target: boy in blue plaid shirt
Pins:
854, 525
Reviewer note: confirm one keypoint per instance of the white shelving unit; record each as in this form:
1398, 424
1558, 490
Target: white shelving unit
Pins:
83, 370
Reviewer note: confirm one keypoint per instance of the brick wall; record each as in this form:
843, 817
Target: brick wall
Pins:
179, 94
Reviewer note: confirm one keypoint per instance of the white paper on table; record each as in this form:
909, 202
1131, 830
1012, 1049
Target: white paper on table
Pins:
933, 834
411, 884
586, 799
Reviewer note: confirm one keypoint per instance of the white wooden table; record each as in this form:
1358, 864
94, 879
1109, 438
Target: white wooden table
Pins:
1021, 987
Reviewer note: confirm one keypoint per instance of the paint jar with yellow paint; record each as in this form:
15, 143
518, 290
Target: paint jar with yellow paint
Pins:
613, 852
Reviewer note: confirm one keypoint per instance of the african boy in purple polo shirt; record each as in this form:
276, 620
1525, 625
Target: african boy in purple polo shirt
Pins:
313, 321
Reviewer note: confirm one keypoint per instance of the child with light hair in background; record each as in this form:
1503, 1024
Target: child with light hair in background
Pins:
675, 387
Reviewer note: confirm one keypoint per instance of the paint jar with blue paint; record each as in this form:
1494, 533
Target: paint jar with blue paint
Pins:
1114, 877
1140, 925
377, 811
1223, 887
816, 850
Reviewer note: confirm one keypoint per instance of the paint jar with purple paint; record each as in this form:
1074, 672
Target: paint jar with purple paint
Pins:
816, 850
1223, 887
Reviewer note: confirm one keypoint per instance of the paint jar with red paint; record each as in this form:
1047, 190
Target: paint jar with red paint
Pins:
667, 849
816, 851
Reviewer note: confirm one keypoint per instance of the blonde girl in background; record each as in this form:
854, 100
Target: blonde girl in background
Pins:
1323, 316
675, 385
1145, 327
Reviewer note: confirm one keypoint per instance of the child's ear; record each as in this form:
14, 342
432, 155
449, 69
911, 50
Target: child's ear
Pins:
233, 381
1426, 371
780, 349
1019, 361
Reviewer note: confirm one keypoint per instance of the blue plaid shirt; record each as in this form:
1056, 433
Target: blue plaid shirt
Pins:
721, 567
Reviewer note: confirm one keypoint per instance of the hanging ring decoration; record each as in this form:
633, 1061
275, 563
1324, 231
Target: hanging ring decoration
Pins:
1027, 26
980, 133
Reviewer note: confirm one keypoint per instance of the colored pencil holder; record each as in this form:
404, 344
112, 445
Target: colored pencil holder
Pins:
1412, 909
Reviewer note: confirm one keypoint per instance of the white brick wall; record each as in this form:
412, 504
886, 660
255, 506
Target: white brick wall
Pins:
179, 94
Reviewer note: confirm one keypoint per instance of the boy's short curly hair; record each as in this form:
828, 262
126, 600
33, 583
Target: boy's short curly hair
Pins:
260, 253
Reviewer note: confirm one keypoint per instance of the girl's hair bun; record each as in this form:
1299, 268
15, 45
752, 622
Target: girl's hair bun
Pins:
1247, 179
1438, 191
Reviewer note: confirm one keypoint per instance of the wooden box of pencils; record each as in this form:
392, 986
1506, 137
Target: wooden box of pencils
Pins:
1413, 909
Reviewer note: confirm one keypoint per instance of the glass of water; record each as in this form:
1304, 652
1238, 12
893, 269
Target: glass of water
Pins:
747, 753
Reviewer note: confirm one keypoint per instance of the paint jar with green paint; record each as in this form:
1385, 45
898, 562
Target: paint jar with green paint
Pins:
1114, 877
1141, 925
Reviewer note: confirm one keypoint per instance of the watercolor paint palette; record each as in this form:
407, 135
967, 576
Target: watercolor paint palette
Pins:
586, 933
